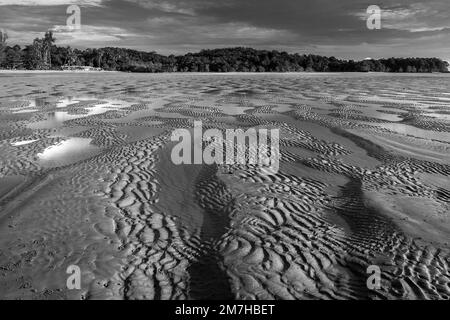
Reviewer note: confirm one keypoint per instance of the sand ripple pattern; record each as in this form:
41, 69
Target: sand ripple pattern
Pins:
363, 180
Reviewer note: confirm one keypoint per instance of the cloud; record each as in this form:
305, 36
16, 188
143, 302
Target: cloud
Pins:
177, 26
88, 34
166, 6
49, 2
415, 17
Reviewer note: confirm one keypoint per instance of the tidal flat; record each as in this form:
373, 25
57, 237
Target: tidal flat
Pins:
86, 179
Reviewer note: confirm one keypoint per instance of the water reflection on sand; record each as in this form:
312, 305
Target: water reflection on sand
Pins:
68, 151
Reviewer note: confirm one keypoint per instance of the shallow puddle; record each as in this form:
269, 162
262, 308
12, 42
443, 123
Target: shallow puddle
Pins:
67, 152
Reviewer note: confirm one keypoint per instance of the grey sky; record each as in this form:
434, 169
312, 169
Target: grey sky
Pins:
327, 27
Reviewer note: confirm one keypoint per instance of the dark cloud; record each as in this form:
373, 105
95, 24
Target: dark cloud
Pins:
321, 26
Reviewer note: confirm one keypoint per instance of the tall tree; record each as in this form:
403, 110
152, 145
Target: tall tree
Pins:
47, 44
3, 38
71, 58
33, 55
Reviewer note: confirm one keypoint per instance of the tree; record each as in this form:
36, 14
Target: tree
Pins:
38, 55
71, 57
43, 54
47, 44
3, 38
34, 59
13, 57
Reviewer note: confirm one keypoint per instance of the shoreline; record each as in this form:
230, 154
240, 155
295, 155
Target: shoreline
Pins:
51, 71
22, 72
6, 71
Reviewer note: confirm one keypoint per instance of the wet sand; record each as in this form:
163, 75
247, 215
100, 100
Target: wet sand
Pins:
86, 179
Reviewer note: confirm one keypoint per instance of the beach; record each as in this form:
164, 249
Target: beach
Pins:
87, 178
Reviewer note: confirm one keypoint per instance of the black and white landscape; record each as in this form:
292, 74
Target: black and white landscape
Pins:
98, 202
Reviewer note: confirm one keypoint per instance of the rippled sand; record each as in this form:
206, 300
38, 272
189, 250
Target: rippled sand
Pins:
86, 179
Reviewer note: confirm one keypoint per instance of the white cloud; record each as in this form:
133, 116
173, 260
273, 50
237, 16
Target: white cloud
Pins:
423, 29
417, 17
171, 30
32, 3
88, 33
166, 6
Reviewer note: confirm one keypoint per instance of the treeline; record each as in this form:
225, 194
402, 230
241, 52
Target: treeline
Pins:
43, 54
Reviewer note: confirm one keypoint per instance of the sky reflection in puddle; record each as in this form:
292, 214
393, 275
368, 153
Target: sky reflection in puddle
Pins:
56, 119
67, 152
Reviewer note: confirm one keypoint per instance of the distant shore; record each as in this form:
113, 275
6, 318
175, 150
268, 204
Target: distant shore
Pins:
6, 71
52, 71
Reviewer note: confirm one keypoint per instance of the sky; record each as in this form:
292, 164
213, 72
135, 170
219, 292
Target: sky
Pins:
326, 27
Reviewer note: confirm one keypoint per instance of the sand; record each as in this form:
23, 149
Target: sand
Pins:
86, 179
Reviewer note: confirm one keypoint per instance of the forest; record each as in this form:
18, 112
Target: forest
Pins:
43, 54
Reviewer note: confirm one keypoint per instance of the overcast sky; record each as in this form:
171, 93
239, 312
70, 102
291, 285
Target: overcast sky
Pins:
327, 27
